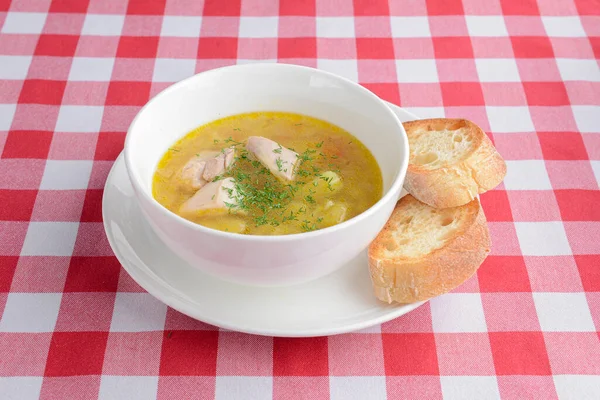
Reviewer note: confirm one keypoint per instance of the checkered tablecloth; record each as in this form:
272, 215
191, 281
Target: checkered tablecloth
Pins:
73, 73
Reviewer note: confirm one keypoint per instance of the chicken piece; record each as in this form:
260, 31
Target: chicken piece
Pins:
205, 166
279, 160
214, 198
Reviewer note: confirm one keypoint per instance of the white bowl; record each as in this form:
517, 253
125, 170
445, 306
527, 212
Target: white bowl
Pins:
265, 260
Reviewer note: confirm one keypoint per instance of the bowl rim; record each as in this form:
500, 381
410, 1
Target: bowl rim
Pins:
141, 191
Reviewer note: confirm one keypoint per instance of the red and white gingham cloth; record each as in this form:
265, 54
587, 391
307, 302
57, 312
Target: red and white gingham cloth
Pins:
73, 73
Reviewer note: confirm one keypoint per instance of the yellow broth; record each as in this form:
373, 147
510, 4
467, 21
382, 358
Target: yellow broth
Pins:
313, 200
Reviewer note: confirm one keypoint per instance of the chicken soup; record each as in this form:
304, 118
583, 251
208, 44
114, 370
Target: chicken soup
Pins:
268, 173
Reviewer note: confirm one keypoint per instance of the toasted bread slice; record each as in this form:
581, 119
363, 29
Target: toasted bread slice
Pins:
423, 252
451, 162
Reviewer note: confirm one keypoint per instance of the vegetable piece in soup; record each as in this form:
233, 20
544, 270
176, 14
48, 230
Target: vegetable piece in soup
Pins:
268, 173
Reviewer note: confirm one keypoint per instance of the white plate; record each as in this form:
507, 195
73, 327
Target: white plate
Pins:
340, 302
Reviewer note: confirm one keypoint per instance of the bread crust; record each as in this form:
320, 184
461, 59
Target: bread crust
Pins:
408, 280
453, 185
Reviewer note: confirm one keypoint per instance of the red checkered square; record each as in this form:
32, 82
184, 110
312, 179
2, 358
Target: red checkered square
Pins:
174, 319
49, 68
452, 47
120, 346
584, 93
8, 264
218, 47
546, 93
579, 234
56, 45
219, 8
464, 354
462, 94
420, 95
100, 170
379, 71
133, 69
527, 387
186, 387
589, 271
525, 7
97, 46
413, 48
189, 353
532, 47
177, 47
492, 47
64, 24
313, 388
137, 47
524, 26
519, 353
9, 91
503, 94
85, 312
220, 27
70, 387
409, 354
85, 247
20, 174
498, 320
571, 175
386, 91
67, 349
503, 274
586, 7
69, 6
417, 321
477, 7
244, 355
371, 7
300, 357
146, 7
110, 145
118, 118
4, 5
72, 146
372, 27
595, 42
37, 91
562, 146
504, 236
128, 93
414, 387
107, 7
572, 48
92, 206
579, 205
457, 71
297, 7
573, 353
37, 274
17, 205
546, 206
92, 274
495, 202
336, 48
375, 48
296, 27
257, 48
553, 274
297, 48
23, 354
448, 26
448, 7
365, 360
553, 119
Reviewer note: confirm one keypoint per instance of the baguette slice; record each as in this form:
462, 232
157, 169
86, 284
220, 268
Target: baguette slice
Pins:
423, 252
451, 161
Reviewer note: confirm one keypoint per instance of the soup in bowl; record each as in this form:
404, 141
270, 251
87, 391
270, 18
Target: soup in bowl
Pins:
266, 174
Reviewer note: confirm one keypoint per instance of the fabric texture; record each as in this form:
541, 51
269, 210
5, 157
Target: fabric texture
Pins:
73, 73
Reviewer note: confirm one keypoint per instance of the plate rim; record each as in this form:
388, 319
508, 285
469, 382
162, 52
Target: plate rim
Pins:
177, 300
